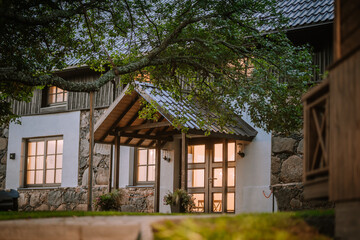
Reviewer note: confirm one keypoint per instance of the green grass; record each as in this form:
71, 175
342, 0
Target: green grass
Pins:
279, 226
48, 214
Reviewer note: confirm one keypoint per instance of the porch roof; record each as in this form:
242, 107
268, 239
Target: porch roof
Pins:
122, 119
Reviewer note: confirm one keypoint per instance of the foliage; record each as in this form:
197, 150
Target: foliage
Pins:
246, 226
212, 52
108, 201
179, 197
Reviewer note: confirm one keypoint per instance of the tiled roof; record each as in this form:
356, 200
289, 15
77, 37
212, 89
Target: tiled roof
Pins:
301, 13
307, 12
171, 107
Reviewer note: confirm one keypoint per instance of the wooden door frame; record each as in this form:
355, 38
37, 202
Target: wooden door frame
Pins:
208, 166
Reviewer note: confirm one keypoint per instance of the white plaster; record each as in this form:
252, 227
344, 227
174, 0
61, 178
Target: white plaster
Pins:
126, 157
253, 175
61, 124
166, 176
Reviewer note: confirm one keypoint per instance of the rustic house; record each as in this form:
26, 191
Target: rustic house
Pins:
46, 157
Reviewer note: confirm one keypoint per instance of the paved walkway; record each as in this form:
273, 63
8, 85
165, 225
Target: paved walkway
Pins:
83, 228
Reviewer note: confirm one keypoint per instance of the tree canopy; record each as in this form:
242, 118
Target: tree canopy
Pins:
213, 52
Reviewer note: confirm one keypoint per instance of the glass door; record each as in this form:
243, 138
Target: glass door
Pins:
211, 176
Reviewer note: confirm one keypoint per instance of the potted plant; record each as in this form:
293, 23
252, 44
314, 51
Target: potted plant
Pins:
180, 201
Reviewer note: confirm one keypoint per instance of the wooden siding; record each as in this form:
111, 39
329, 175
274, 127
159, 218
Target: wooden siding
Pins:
76, 100
345, 130
347, 27
322, 58
28, 108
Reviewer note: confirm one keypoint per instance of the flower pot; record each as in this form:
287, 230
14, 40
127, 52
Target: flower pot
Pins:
177, 208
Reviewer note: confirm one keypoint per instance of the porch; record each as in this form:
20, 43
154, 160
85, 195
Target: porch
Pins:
175, 152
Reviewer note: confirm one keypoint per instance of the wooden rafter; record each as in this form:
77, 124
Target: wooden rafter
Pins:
148, 132
144, 126
120, 117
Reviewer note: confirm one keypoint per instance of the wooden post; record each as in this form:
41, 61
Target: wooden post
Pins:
110, 167
157, 177
91, 152
225, 175
117, 161
184, 146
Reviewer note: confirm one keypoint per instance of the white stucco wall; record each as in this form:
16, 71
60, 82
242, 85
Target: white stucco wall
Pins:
166, 176
126, 166
253, 175
61, 124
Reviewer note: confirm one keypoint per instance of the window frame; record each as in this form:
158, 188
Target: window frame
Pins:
136, 167
26, 155
46, 97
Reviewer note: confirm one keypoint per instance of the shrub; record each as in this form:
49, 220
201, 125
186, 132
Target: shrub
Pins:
108, 201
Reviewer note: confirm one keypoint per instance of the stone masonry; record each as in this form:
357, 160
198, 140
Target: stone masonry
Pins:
75, 199
286, 174
102, 152
4, 132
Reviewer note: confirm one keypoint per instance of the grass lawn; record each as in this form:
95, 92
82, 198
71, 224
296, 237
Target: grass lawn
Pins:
279, 226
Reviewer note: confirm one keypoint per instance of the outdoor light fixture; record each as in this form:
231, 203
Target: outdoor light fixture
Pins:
12, 156
166, 155
240, 150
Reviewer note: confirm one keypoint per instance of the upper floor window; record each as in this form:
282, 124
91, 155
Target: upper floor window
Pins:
44, 161
145, 166
56, 95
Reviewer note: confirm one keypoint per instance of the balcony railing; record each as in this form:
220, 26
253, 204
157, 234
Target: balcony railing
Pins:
316, 148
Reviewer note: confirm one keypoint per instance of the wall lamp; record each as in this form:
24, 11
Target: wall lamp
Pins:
240, 150
166, 155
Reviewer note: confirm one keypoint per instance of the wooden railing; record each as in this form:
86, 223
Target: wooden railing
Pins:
316, 142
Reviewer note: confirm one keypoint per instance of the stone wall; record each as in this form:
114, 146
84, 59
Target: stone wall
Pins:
137, 199
286, 174
102, 152
58, 199
4, 134
75, 199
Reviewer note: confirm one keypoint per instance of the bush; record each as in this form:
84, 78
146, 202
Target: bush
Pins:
108, 201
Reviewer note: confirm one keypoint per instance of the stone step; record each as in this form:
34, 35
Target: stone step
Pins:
39, 229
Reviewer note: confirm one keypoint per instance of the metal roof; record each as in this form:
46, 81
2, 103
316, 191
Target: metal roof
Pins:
171, 106
122, 116
307, 12
303, 13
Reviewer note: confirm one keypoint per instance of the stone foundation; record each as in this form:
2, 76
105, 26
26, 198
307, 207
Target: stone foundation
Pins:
4, 134
137, 199
286, 174
75, 199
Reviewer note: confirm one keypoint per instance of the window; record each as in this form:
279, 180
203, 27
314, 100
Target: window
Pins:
56, 95
145, 166
44, 161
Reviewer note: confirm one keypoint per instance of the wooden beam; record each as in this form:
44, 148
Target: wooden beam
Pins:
120, 117
117, 162
91, 152
137, 131
221, 135
225, 175
184, 146
157, 177
149, 132
144, 126
141, 136
110, 168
